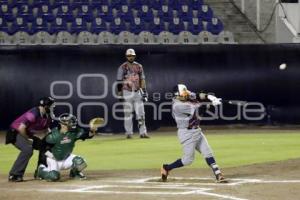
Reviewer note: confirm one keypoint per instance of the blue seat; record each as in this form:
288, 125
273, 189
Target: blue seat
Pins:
26, 12
196, 4
195, 26
145, 13
137, 26
78, 25
105, 13
77, 3
205, 13
45, 11
6, 12
85, 12
215, 26
3, 25
38, 3
117, 26
98, 25
19, 24
64, 11
125, 13
39, 24
59, 24
176, 26
116, 4
96, 4
58, 3
185, 13
166, 13
16, 3
137, 4
157, 26
156, 4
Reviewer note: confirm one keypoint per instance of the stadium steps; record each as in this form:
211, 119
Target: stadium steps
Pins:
234, 21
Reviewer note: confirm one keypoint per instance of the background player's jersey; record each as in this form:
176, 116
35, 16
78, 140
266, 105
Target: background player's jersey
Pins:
131, 74
64, 143
185, 114
33, 120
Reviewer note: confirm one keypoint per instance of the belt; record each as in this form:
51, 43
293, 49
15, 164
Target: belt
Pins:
194, 127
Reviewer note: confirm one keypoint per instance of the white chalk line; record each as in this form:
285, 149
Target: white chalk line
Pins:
178, 188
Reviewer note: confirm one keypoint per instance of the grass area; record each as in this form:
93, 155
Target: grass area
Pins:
231, 149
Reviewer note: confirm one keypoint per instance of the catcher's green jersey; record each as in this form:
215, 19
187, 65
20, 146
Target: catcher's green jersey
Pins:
64, 143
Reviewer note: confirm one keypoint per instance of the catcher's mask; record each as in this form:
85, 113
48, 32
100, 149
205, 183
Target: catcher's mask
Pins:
181, 92
46, 102
68, 120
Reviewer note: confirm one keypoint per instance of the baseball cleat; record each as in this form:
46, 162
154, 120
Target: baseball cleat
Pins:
164, 173
15, 178
128, 137
77, 175
220, 178
144, 136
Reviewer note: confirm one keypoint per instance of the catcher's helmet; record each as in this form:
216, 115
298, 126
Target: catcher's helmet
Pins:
68, 120
46, 101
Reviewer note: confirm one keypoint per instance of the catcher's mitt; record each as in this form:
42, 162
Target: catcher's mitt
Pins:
95, 123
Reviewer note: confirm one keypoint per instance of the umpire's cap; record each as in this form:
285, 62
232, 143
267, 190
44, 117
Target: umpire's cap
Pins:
46, 101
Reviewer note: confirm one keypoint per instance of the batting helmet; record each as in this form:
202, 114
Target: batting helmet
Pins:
181, 92
68, 120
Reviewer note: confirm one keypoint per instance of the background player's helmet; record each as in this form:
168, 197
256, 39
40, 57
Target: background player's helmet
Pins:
130, 52
46, 102
181, 92
68, 120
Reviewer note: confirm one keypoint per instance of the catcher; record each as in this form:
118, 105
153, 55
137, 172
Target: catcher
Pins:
61, 142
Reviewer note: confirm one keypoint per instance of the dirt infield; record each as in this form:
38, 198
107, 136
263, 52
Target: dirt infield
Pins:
277, 180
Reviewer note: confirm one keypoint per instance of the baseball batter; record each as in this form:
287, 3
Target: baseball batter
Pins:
22, 135
132, 88
59, 156
189, 133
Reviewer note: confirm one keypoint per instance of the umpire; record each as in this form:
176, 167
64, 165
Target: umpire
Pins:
132, 88
21, 135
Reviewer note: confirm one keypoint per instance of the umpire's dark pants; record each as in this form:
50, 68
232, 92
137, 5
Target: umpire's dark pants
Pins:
21, 163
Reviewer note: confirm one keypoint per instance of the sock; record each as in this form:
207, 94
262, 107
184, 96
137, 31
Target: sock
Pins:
178, 163
212, 163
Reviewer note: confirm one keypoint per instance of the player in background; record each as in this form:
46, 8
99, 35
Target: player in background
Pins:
184, 111
132, 88
22, 135
62, 142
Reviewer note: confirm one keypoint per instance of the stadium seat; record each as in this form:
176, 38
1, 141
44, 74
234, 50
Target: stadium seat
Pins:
125, 13
21, 38
177, 4
85, 38
43, 38
59, 3
137, 4
196, 4
19, 25
96, 4
205, 13
117, 26
3, 25
176, 26
195, 26
105, 13
186, 37
226, 37
78, 25
39, 24
58, 25
145, 13
156, 26
64, 38
85, 12
146, 37
156, 4
215, 26
45, 11
78, 3
5, 38
166, 14
206, 37
98, 25
105, 37
6, 12
26, 12
126, 37
39, 3
137, 26
166, 37
116, 4
185, 13
65, 12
